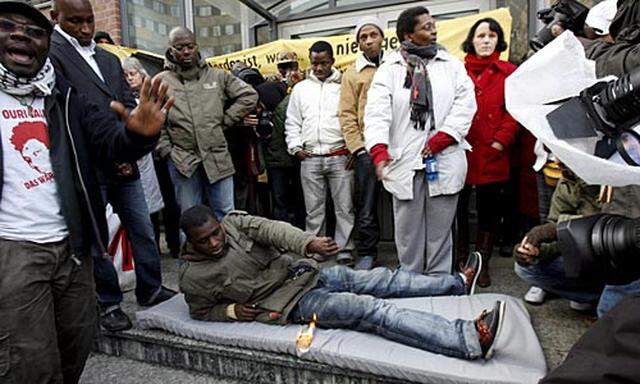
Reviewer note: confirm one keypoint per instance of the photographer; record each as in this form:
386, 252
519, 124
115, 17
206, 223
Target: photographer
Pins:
538, 259
618, 58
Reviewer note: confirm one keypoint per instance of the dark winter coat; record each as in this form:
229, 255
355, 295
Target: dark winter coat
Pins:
82, 134
491, 123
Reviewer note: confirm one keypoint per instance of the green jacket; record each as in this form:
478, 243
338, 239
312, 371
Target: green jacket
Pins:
255, 269
275, 149
193, 134
571, 199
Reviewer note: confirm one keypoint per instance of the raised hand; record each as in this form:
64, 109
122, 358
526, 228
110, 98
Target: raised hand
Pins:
147, 118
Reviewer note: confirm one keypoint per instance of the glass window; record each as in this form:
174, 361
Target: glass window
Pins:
145, 23
204, 11
230, 22
204, 32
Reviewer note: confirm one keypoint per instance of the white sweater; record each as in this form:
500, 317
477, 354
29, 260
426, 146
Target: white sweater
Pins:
312, 116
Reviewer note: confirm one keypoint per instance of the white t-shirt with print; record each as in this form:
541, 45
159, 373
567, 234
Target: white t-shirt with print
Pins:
30, 206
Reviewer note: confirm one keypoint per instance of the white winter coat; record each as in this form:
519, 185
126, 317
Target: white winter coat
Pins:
312, 116
387, 121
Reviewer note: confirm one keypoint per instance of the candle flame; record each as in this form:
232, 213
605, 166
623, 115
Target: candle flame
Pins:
305, 336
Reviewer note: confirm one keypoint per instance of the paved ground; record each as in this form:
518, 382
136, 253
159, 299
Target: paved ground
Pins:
558, 328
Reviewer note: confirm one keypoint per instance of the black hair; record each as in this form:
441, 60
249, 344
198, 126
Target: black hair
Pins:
407, 21
494, 26
321, 46
195, 216
102, 35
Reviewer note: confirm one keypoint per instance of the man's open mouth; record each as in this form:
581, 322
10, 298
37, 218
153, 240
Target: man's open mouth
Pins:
21, 55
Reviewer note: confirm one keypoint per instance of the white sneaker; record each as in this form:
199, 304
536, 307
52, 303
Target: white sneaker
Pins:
535, 295
580, 307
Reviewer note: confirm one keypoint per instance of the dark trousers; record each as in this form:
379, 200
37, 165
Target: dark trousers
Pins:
366, 201
287, 195
127, 199
47, 313
489, 203
171, 211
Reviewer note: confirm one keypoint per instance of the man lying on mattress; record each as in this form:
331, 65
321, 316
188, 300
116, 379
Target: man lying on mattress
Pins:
250, 268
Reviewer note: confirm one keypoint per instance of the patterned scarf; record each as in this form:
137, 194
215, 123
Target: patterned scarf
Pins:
417, 80
38, 86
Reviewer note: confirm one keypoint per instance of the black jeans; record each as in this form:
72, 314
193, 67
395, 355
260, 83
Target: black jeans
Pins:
47, 313
366, 203
287, 195
171, 211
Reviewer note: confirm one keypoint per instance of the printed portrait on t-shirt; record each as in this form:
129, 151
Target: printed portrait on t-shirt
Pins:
31, 139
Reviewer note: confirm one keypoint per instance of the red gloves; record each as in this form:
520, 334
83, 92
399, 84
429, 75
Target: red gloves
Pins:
379, 153
438, 142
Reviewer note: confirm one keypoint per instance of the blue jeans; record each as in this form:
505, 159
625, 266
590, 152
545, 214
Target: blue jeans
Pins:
612, 294
550, 277
127, 199
346, 298
191, 191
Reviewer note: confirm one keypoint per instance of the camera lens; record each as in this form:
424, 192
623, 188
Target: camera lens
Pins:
629, 147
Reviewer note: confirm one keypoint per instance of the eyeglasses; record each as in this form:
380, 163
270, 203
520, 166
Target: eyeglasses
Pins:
8, 26
181, 47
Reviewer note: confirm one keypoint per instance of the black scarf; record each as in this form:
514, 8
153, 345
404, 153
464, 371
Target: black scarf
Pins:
417, 80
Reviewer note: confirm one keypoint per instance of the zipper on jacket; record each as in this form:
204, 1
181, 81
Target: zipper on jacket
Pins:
92, 215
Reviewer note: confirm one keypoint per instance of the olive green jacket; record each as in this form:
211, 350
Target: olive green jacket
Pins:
275, 149
206, 101
571, 199
255, 269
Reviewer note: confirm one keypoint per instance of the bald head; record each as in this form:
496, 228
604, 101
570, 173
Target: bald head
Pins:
75, 17
183, 47
181, 33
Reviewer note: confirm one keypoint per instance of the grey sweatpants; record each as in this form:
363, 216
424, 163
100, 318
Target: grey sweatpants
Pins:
423, 229
317, 174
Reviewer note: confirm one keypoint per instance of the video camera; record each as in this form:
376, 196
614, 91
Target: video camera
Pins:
601, 248
609, 108
568, 14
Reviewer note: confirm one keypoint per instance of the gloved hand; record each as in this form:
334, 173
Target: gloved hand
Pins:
544, 233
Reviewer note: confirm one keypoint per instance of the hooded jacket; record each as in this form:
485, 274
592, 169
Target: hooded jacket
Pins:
207, 101
312, 116
256, 268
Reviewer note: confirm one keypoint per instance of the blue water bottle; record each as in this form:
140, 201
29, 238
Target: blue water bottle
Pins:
430, 168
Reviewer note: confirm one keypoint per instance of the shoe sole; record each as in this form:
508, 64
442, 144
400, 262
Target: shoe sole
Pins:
491, 351
475, 278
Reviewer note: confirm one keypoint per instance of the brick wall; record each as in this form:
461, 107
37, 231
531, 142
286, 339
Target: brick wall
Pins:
107, 13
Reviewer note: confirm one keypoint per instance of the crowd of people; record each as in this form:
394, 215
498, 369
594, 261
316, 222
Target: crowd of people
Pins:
182, 150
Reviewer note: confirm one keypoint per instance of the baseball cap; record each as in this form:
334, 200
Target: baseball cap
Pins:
23, 8
287, 57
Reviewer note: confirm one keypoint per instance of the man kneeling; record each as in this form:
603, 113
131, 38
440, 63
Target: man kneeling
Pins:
250, 268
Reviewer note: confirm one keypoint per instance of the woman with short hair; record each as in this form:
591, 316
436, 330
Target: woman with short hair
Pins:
419, 109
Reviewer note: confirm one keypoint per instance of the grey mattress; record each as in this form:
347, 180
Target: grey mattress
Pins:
518, 358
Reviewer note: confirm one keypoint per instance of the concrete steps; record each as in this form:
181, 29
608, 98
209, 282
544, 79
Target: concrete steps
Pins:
250, 366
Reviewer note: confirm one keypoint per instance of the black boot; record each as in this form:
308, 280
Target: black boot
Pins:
484, 245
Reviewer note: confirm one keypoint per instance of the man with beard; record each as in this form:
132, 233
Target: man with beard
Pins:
353, 97
49, 229
210, 101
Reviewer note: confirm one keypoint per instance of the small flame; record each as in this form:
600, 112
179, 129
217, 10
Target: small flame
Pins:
305, 336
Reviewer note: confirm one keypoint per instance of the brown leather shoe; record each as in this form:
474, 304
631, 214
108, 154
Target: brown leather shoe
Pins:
488, 325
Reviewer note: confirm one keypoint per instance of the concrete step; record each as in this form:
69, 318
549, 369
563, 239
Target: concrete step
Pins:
250, 366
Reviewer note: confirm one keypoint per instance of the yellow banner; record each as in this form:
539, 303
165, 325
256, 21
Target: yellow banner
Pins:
451, 34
